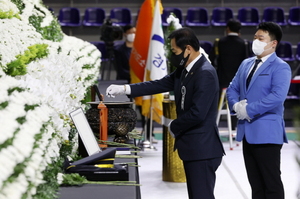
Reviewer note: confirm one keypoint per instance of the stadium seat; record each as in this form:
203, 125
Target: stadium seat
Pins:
248, 16
220, 16
120, 16
294, 16
93, 16
69, 16
206, 45
197, 16
285, 51
166, 13
275, 14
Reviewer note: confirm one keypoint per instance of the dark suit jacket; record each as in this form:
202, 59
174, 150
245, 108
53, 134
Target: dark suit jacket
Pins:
122, 55
232, 51
195, 129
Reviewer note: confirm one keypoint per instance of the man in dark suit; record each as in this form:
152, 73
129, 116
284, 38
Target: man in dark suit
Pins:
227, 55
257, 94
196, 96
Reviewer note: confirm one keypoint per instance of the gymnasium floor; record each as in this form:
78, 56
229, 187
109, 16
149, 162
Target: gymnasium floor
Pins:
231, 181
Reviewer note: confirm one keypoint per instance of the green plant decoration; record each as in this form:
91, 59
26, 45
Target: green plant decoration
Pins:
18, 66
8, 15
20, 5
170, 29
77, 180
52, 32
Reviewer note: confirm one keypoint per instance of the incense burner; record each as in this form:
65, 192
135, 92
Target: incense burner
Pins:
121, 119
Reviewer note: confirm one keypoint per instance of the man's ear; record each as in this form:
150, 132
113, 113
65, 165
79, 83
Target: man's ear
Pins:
188, 48
275, 42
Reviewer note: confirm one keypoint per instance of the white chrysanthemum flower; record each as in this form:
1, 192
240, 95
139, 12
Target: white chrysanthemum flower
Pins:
42, 11
8, 6
20, 184
56, 83
60, 178
13, 111
8, 126
175, 21
13, 43
7, 160
17, 157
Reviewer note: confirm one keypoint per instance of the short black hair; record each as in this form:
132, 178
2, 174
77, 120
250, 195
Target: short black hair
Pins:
127, 27
234, 25
273, 29
185, 36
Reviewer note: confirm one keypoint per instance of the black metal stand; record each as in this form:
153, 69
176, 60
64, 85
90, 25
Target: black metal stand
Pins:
110, 59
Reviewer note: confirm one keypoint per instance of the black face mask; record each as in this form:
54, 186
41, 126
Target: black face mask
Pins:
178, 60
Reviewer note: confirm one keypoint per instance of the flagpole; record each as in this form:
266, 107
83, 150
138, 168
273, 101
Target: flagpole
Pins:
154, 62
151, 124
150, 129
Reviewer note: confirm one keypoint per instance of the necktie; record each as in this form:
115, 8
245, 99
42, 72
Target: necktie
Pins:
183, 74
252, 72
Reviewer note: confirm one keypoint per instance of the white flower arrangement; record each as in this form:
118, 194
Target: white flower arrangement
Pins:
8, 7
29, 11
21, 136
34, 107
13, 43
175, 21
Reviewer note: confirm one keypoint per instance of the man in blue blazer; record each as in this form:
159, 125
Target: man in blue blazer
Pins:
196, 96
256, 94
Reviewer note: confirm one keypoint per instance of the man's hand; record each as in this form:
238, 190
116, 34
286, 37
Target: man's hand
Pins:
241, 111
237, 106
114, 90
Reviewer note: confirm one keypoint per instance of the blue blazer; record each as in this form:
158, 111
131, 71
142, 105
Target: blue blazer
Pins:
265, 97
195, 130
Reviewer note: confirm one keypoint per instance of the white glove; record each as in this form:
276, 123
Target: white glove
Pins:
113, 90
241, 111
237, 106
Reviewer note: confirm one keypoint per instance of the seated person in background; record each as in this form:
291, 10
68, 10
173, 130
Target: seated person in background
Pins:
122, 53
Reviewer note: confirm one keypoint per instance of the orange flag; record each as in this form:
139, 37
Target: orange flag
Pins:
141, 42
156, 67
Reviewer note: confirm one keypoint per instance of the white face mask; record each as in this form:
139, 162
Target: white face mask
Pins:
130, 37
258, 47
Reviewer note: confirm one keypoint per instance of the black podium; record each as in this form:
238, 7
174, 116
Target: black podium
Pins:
95, 191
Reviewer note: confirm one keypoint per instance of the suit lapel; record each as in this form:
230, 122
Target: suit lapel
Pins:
188, 78
247, 70
262, 68
195, 67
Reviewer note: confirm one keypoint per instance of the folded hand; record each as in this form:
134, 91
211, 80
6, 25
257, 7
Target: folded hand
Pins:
241, 111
